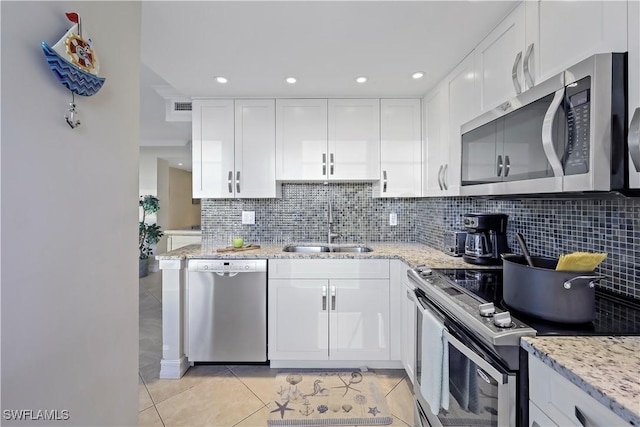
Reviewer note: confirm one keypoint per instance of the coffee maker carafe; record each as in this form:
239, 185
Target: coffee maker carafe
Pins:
486, 238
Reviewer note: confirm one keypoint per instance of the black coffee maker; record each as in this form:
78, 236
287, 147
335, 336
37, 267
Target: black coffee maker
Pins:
486, 238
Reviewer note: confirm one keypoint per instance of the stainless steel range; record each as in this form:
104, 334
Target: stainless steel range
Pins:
486, 380
482, 352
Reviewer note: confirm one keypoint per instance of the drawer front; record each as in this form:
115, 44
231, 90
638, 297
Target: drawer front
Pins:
564, 402
329, 269
537, 418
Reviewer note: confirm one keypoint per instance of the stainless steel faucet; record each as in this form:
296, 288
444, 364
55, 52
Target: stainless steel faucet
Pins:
330, 235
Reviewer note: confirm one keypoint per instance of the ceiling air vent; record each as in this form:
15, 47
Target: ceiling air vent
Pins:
182, 106
178, 110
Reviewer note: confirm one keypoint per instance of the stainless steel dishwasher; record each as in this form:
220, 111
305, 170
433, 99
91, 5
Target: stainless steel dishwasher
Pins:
226, 311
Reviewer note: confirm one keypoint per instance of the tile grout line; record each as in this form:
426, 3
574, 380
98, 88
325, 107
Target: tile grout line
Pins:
248, 388
252, 414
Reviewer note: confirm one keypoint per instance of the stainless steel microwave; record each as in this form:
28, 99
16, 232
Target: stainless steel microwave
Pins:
567, 134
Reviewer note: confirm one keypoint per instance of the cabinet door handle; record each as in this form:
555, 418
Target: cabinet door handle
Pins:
547, 133
507, 166
440, 177
331, 162
324, 164
444, 177
525, 67
581, 417
324, 298
384, 181
230, 178
333, 297
237, 181
499, 170
514, 73
634, 139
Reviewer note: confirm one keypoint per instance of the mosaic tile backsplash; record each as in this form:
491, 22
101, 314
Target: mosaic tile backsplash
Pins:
301, 216
551, 227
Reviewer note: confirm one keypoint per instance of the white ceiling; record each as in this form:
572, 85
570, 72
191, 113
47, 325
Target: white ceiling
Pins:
324, 44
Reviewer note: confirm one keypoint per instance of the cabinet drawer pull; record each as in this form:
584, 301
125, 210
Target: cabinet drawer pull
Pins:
324, 298
238, 182
499, 171
230, 178
525, 67
324, 164
514, 73
581, 417
333, 298
384, 181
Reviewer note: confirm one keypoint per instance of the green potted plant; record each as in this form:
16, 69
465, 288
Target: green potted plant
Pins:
148, 234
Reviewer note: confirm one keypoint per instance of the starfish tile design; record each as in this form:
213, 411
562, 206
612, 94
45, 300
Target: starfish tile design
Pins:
282, 408
374, 411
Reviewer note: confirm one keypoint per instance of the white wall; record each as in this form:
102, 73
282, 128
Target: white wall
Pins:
69, 309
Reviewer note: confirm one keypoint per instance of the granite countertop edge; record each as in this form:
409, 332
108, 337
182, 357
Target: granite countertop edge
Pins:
594, 388
412, 253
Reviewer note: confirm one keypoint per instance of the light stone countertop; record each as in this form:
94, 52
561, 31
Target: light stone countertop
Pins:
411, 253
606, 368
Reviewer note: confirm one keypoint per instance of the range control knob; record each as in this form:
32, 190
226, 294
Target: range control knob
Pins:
502, 320
487, 310
426, 272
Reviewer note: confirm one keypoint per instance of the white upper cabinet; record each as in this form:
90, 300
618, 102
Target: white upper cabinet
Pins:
212, 148
463, 106
436, 160
233, 149
354, 139
562, 33
634, 94
542, 38
335, 139
301, 139
400, 149
498, 61
255, 149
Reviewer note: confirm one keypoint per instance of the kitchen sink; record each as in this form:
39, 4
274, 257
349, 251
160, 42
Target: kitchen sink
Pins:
320, 248
351, 249
304, 248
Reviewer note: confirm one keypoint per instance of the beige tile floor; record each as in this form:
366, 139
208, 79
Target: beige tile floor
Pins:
215, 395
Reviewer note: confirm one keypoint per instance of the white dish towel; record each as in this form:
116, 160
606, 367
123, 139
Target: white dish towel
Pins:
434, 378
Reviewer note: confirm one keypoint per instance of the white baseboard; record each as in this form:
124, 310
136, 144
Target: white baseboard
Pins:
173, 369
336, 364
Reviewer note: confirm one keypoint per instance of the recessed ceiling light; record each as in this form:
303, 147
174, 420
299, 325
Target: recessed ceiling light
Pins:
418, 75
290, 80
179, 164
221, 79
361, 79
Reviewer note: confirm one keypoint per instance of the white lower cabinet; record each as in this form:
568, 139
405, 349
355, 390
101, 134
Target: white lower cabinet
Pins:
328, 310
408, 322
562, 403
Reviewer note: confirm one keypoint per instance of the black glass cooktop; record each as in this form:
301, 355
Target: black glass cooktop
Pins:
615, 314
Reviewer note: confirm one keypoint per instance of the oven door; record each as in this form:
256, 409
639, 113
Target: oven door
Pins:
481, 391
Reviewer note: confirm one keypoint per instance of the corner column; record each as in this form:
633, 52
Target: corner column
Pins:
174, 362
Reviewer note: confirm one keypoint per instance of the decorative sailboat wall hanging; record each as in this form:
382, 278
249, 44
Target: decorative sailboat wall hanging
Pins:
75, 64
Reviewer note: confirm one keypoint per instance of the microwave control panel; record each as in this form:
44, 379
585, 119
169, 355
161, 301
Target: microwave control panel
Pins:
578, 113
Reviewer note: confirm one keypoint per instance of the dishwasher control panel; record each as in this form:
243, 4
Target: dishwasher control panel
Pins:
229, 265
